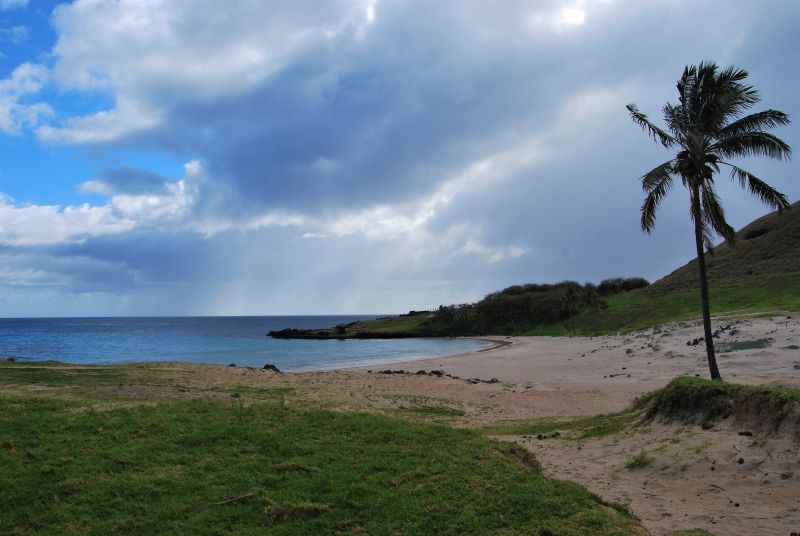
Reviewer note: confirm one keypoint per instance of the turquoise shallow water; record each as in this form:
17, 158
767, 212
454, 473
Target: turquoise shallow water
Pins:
211, 340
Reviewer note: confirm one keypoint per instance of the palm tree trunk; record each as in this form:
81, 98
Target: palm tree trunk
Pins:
701, 265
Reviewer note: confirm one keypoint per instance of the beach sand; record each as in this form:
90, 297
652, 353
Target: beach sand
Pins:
695, 478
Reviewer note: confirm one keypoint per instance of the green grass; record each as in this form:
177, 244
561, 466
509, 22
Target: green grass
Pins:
639, 461
406, 324
690, 399
643, 308
436, 411
735, 346
591, 427
395, 324
653, 306
685, 399
4, 362
41, 374
200, 467
648, 307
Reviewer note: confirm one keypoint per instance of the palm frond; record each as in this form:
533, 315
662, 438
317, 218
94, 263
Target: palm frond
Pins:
753, 144
687, 87
699, 109
758, 121
656, 133
658, 175
706, 229
714, 217
768, 195
656, 183
716, 97
734, 96
676, 120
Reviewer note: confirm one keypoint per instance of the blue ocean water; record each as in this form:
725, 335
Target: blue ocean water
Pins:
211, 340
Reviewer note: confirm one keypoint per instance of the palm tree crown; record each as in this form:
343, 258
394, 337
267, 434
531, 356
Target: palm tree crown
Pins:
707, 127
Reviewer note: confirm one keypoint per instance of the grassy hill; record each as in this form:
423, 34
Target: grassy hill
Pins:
77, 459
761, 273
768, 246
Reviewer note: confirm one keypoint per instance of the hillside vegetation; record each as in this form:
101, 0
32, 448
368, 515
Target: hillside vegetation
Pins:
761, 273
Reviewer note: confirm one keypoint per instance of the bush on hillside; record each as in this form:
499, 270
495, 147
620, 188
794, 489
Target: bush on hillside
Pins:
517, 308
615, 285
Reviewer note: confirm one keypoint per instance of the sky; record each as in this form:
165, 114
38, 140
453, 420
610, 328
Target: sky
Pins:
171, 157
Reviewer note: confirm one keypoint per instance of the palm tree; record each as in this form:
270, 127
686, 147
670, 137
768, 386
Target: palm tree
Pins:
707, 127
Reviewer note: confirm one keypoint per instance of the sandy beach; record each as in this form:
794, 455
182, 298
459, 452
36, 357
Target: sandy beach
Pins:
727, 479
719, 479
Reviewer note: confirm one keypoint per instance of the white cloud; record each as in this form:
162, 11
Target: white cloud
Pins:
215, 224
174, 208
6, 5
103, 126
149, 55
37, 225
491, 253
16, 34
572, 16
25, 80
333, 136
558, 18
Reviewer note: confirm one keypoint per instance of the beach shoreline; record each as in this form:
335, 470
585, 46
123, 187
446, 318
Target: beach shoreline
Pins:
524, 379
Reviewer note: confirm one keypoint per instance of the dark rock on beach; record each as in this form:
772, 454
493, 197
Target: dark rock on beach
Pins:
475, 381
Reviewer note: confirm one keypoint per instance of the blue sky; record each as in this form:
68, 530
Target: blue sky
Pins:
170, 157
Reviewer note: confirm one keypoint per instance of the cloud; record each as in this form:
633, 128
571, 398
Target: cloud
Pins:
33, 225
6, 5
127, 180
365, 156
16, 112
137, 200
16, 34
104, 126
156, 55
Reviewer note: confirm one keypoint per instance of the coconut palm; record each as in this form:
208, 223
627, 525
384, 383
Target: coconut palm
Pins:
707, 127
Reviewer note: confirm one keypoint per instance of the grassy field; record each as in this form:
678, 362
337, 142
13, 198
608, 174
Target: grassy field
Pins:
77, 458
408, 323
203, 467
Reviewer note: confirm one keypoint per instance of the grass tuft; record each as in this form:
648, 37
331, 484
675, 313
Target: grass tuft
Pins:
304, 510
583, 428
639, 461
689, 399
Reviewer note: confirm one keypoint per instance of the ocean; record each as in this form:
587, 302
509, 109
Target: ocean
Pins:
211, 340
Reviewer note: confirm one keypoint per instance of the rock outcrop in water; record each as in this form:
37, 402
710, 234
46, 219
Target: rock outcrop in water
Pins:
333, 333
